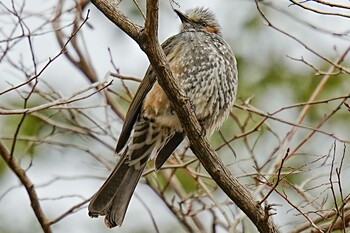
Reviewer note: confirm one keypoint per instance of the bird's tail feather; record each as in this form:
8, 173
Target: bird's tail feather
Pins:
113, 198
122, 197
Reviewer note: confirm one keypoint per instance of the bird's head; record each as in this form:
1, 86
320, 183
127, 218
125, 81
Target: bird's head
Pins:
199, 19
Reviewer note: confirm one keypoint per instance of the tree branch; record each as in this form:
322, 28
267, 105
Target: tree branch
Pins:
29, 186
81, 62
111, 11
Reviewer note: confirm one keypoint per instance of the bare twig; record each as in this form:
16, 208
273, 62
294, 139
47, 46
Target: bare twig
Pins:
81, 62
278, 179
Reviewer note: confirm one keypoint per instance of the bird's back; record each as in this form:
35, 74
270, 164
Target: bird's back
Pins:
207, 69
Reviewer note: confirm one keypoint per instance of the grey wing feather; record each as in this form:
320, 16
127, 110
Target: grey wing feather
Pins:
168, 148
135, 107
136, 104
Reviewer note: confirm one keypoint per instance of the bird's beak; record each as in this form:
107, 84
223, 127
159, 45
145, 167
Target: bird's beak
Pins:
182, 16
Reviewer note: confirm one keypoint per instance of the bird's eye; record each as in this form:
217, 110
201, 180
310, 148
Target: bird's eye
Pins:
204, 24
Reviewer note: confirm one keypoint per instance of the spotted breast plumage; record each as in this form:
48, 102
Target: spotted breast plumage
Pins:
206, 68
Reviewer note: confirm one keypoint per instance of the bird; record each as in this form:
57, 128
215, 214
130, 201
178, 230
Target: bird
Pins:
205, 66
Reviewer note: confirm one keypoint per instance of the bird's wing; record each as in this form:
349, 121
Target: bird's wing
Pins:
145, 86
168, 148
135, 107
